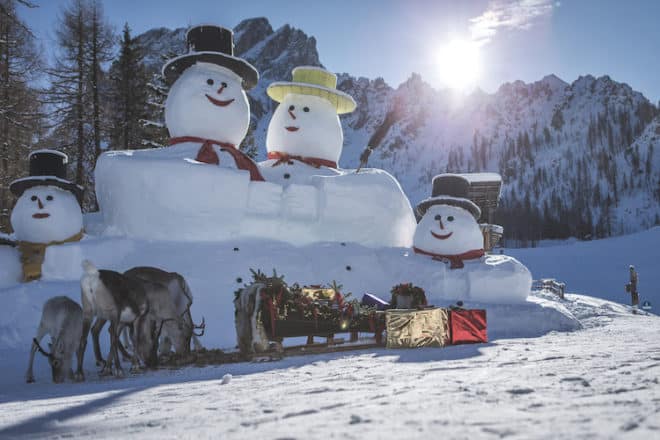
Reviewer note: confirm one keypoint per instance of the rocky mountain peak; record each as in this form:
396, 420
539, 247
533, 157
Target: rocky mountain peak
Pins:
250, 32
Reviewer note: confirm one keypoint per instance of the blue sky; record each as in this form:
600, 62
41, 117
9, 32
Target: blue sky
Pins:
525, 39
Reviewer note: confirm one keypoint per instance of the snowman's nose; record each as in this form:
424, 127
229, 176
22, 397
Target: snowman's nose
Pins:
292, 115
222, 87
41, 205
439, 219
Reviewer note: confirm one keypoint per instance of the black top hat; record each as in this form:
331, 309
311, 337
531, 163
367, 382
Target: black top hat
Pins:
449, 189
215, 45
47, 168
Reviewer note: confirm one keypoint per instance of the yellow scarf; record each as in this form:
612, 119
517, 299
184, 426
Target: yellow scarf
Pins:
32, 255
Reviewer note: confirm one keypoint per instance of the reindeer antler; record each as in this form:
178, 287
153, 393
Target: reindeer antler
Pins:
41, 350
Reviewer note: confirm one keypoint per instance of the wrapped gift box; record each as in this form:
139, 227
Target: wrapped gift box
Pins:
373, 301
417, 328
468, 326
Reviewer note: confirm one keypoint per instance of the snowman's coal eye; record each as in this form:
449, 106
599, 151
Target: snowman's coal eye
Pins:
292, 108
33, 198
450, 218
209, 81
306, 109
438, 217
223, 84
49, 198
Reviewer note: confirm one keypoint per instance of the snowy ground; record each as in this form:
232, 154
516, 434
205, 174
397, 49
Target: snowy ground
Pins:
600, 381
535, 378
600, 267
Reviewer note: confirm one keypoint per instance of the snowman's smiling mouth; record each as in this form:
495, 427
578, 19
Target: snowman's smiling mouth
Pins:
219, 102
440, 236
291, 128
41, 215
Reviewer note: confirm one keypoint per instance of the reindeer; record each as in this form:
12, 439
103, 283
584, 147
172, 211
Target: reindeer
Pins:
110, 296
179, 332
61, 318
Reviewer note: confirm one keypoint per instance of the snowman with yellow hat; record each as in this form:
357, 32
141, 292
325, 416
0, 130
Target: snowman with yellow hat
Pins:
304, 136
304, 142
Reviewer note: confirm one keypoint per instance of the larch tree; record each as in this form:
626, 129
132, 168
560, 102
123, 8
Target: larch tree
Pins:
128, 79
20, 107
84, 43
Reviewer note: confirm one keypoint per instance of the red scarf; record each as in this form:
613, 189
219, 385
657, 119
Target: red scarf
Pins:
316, 162
456, 260
206, 154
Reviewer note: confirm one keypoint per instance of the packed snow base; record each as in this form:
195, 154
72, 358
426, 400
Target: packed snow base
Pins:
215, 270
182, 199
598, 382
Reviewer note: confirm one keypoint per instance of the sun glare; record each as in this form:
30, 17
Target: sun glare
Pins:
459, 64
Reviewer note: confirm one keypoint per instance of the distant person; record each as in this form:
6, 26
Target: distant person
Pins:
632, 287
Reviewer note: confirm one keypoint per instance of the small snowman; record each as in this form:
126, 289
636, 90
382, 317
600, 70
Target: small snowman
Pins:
207, 111
305, 136
47, 211
447, 226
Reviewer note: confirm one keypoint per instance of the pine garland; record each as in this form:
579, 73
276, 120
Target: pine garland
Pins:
415, 296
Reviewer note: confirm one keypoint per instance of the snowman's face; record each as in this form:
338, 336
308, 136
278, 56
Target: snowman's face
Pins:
448, 230
46, 213
208, 101
307, 126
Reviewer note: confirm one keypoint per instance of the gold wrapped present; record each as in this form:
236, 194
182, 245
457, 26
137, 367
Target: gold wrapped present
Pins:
417, 328
318, 293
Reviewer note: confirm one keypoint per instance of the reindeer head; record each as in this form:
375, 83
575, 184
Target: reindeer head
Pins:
60, 364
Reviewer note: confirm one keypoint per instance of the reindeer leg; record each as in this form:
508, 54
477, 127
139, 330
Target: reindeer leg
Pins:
119, 372
96, 330
135, 334
87, 322
29, 376
125, 355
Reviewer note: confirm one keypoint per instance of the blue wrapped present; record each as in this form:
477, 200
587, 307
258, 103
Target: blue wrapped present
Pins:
373, 301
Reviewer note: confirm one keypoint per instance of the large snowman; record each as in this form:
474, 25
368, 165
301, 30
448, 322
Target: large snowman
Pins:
320, 201
207, 111
448, 233
197, 187
304, 136
47, 211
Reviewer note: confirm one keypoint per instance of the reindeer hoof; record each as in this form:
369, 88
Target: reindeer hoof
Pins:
100, 363
29, 379
106, 371
119, 372
79, 376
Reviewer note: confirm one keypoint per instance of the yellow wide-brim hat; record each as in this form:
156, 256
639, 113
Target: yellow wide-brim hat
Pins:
314, 81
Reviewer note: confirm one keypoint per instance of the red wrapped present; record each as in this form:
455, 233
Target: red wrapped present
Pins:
468, 326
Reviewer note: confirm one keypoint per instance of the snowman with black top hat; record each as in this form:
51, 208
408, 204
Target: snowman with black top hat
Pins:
448, 232
47, 211
207, 111
447, 226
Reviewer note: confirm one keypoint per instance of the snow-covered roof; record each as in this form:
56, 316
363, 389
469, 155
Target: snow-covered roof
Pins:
481, 177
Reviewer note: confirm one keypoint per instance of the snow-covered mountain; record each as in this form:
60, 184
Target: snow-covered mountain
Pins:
577, 159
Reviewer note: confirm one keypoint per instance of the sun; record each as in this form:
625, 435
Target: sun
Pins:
459, 64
